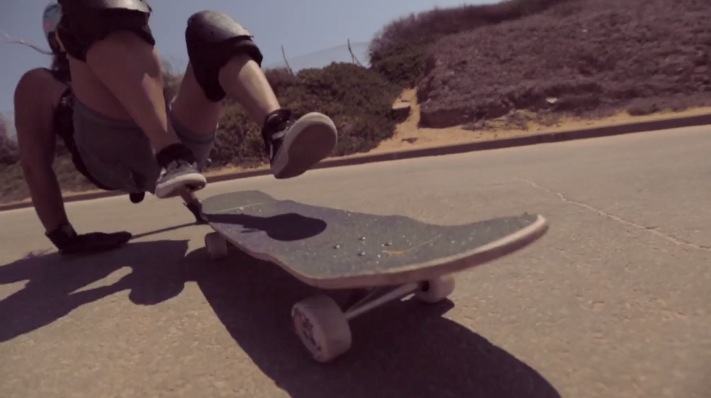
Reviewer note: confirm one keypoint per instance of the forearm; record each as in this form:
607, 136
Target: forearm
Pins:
46, 196
49, 205
37, 97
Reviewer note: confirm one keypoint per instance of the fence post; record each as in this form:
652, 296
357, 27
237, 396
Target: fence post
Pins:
353, 57
283, 53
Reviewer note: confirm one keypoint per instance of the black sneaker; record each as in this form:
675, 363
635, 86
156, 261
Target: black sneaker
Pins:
295, 147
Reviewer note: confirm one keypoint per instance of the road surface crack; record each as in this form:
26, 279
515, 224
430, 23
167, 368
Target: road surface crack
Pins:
653, 230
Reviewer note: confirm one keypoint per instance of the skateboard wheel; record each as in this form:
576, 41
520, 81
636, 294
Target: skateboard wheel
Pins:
322, 327
216, 246
436, 290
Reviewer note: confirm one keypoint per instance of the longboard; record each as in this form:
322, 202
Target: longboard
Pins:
381, 258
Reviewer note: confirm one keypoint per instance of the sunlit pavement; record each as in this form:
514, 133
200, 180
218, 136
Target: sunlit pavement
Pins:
613, 302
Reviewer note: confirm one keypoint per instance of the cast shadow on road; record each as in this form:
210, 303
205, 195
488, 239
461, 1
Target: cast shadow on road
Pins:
283, 227
55, 285
404, 349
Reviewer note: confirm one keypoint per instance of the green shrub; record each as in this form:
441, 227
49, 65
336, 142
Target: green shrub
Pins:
238, 140
358, 99
8, 148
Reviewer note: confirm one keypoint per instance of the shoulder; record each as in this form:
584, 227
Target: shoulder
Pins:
38, 77
40, 84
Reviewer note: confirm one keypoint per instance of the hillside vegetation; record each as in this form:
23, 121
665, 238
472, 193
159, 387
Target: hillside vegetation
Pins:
531, 59
585, 58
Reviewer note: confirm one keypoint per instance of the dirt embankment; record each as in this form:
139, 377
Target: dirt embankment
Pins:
586, 58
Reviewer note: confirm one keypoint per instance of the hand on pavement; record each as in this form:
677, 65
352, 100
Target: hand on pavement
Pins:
69, 242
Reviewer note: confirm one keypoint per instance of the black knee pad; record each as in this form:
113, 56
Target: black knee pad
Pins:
87, 21
213, 38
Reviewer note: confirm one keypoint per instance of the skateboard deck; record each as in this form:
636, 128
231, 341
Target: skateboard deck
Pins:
335, 249
381, 258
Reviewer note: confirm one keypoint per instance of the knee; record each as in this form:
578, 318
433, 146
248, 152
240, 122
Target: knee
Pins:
212, 39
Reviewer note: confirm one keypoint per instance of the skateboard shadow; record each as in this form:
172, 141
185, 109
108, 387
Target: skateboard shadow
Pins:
163, 230
283, 227
56, 285
404, 349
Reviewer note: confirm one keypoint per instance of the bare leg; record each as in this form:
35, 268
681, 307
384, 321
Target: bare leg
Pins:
127, 70
192, 108
198, 115
225, 61
121, 78
243, 80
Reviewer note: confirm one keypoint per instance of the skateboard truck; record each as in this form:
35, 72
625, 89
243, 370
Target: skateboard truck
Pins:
323, 325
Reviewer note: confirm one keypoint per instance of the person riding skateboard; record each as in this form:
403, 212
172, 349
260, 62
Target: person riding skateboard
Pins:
103, 95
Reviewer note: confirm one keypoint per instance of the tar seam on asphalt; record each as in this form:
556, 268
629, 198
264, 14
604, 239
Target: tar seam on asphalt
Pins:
653, 230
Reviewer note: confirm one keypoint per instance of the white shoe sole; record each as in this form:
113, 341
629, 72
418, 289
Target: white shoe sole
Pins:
174, 186
310, 140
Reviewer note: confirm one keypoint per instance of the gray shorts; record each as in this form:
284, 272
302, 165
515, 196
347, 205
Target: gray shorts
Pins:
119, 155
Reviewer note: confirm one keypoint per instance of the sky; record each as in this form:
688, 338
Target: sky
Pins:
313, 32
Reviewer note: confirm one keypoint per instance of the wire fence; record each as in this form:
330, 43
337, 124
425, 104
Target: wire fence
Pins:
349, 52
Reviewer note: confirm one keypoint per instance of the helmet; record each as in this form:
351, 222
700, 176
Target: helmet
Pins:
51, 16
50, 19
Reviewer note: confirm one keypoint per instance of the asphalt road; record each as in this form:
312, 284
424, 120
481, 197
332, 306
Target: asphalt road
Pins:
615, 301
